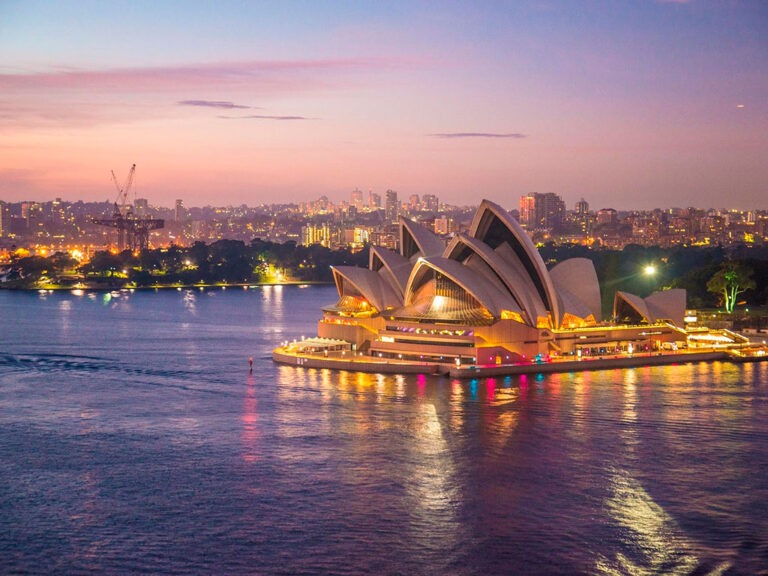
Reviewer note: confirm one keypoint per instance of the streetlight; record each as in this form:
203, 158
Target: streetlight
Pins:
649, 270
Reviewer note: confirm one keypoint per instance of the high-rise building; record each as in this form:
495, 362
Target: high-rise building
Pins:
141, 207
391, 206
430, 203
2, 218
582, 207
541, 211
180, 212
443, 225
316, 234
356, 198
374, 200
528, 211
413, 202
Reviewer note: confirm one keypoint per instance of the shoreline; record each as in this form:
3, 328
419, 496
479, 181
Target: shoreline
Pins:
101, 288
392, 366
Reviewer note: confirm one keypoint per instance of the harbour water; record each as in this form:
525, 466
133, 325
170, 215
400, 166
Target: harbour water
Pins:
133, 438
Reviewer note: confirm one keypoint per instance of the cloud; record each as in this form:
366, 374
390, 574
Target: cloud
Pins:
263, 76
264, 117
87, 97
479, 135
212, 104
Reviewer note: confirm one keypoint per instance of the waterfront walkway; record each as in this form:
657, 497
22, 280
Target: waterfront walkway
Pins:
347, 360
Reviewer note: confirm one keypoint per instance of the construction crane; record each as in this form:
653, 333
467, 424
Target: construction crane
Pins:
122, 192
132, 231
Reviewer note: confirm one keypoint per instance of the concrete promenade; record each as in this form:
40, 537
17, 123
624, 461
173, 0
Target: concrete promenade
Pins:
336, 361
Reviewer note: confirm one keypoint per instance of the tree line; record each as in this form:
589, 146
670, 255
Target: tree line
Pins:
221, 262
712, 276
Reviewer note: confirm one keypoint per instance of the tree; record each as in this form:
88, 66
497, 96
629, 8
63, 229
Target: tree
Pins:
730, 281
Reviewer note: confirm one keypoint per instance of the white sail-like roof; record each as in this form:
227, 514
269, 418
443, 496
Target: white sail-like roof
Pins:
368, 284
393, 266
635, 303
668, 305
495, 227
484, 292
493, 272
417, 241
507, 267
576, 283
664, 305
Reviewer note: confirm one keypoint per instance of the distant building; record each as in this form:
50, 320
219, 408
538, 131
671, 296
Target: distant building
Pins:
712, 227
356, 198
443, 226
391, 207
607, 216
541, 211
141, 207
761, 227
430, 203
316, 234
374, 200
180, 213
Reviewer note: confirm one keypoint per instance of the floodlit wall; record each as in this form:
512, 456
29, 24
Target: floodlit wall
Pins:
357, 334
513, 336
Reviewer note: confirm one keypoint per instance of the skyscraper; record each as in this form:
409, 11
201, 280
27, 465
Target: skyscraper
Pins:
528, 211
356, 198
391, 207
180, 213
430, 203
541, 211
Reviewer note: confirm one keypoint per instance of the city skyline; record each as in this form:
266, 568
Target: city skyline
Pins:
659, 103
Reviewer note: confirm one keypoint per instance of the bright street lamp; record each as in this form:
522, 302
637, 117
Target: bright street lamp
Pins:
649, 270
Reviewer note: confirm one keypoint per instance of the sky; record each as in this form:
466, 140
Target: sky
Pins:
627, 104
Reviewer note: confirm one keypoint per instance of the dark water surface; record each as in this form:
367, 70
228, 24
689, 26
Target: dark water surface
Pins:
134, 440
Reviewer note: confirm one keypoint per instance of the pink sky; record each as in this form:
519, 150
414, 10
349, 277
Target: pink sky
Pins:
654, 104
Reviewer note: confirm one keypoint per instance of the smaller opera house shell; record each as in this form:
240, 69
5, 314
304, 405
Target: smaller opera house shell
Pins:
487, 298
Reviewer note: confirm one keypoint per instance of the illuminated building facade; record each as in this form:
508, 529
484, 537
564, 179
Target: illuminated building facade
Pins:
487, 298
541, 211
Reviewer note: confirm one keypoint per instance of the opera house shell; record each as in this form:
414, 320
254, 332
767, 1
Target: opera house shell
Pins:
486, 297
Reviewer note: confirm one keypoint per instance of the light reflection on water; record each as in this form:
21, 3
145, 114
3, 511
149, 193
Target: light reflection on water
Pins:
133, 438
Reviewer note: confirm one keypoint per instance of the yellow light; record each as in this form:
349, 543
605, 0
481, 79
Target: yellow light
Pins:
649, 270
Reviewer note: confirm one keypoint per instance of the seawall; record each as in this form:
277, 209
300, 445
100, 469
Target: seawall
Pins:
391, 366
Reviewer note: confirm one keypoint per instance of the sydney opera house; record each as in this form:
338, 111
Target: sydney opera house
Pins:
486, 301
486, 298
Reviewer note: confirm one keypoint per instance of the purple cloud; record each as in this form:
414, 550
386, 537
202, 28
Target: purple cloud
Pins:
264, 76
264, 117
479, 135
67, 96
211, 104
